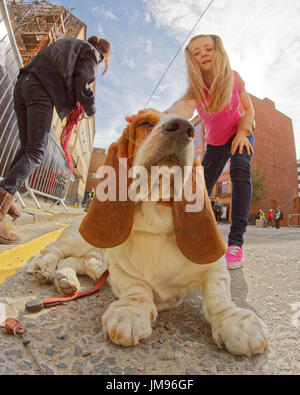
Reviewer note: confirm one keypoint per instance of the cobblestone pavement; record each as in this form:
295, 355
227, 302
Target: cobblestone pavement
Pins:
68, 339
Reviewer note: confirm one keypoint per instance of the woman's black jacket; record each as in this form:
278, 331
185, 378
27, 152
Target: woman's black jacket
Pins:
66, 68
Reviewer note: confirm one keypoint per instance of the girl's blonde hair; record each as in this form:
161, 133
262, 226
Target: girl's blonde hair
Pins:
220, 91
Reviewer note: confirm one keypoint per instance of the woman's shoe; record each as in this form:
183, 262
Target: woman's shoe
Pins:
6, 236
13, 211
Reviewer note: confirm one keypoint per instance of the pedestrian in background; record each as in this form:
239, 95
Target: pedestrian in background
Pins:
270, 217
262, 216
218, 209
91, 195
278, 217
59, 76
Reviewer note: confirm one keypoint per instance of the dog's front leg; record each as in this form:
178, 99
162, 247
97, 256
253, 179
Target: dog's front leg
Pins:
128, 320
241, 331
65, 277
68, 244
44, 265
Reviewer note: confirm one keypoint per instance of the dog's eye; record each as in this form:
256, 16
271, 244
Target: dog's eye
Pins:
147, 125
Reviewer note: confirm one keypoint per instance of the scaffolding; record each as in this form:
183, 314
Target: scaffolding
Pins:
36, 25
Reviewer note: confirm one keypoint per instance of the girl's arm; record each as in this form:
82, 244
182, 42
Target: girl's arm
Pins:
245, 126
246, 123
183, 107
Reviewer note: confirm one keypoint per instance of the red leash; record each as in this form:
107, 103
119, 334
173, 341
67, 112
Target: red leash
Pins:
40, 304
70, 127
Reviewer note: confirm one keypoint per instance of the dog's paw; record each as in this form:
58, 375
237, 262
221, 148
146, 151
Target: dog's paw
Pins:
94, 267
242, 333
44, 267
66, 281
126, 325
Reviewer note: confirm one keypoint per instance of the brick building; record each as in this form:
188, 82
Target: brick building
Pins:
274, 160
298, 166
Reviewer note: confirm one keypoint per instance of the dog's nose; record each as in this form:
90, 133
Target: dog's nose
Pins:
179, 126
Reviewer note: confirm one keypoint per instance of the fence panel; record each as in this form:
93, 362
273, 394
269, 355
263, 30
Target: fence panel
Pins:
52, 178
294, 220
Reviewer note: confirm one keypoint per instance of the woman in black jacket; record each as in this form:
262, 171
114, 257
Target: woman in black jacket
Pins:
58, 76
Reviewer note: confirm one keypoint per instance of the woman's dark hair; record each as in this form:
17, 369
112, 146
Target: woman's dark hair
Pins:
100, 43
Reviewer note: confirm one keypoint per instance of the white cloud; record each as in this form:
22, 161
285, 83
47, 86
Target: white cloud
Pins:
110, 130
148, 45
128, 62
106, 135
154, 70
147, 18
100, 30
107, 14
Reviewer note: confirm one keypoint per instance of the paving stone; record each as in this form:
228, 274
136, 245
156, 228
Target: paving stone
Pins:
192, 371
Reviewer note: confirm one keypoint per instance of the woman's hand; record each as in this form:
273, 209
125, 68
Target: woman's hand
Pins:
240, 141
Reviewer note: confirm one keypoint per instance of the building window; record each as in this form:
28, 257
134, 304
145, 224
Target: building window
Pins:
222, 188
88, 134
92, 175
83, 147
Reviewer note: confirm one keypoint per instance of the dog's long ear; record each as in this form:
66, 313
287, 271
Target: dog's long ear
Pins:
108, 223
197, 234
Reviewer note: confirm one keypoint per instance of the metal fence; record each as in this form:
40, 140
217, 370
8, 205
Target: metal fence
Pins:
52, 179
294, 220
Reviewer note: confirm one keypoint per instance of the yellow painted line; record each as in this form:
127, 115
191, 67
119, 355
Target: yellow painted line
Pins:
11, 260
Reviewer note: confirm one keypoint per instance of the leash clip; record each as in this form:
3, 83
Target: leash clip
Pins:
13, 327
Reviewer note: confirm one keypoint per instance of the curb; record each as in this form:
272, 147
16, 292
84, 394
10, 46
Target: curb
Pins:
31, 217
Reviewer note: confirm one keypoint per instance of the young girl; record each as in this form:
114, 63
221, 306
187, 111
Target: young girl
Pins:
219, 96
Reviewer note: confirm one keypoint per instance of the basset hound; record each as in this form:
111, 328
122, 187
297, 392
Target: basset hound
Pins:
156, 250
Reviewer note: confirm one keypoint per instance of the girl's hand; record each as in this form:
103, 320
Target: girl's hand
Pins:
129, 118
240, 141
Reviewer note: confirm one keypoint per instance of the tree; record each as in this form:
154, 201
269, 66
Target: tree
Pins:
258, 185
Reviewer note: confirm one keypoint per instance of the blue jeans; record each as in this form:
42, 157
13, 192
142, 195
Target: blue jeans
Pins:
34, 110
214, 160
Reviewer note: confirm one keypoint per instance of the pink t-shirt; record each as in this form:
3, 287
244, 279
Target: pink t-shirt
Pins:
220, 126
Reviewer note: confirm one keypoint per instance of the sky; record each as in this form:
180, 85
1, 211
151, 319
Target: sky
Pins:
261, 37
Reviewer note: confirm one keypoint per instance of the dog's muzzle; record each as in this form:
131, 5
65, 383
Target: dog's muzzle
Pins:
179, 127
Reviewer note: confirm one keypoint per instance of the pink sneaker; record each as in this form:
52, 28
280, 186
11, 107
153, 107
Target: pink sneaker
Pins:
234, 257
